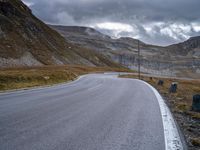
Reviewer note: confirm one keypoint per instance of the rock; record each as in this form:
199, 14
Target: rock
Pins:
196, 103
46, 77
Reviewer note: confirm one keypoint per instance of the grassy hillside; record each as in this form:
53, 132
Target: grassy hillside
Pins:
22, 32
27, 41
15, 78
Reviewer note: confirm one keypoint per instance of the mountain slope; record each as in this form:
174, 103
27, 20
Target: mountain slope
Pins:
191, 46
27, 41
170, 60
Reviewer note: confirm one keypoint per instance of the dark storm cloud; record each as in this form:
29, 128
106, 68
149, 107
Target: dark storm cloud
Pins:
167, 20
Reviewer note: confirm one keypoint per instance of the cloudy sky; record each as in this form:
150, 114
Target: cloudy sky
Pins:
161, 22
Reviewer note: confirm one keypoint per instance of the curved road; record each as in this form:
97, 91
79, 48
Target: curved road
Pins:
96, 112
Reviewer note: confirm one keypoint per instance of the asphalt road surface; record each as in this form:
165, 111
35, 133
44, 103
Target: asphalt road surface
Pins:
96, 112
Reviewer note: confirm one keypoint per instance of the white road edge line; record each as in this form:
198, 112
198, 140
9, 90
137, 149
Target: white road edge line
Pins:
172, 137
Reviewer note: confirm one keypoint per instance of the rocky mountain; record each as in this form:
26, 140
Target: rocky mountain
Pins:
170, 60
190, 47
27, 41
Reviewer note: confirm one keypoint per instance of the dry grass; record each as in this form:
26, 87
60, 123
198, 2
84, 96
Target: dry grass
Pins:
180, 104
196, 142
15, 78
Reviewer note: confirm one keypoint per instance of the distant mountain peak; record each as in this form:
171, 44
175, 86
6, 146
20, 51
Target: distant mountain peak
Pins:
191, 43
194, 38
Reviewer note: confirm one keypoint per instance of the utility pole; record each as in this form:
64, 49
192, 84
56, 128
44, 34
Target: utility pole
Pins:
139, 76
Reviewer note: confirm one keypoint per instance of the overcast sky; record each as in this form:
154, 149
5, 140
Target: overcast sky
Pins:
161, 22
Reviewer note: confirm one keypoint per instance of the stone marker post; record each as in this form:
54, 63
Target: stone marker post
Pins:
173, 88
196, 103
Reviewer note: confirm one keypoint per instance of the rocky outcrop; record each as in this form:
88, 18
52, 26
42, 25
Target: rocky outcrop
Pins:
26, 60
